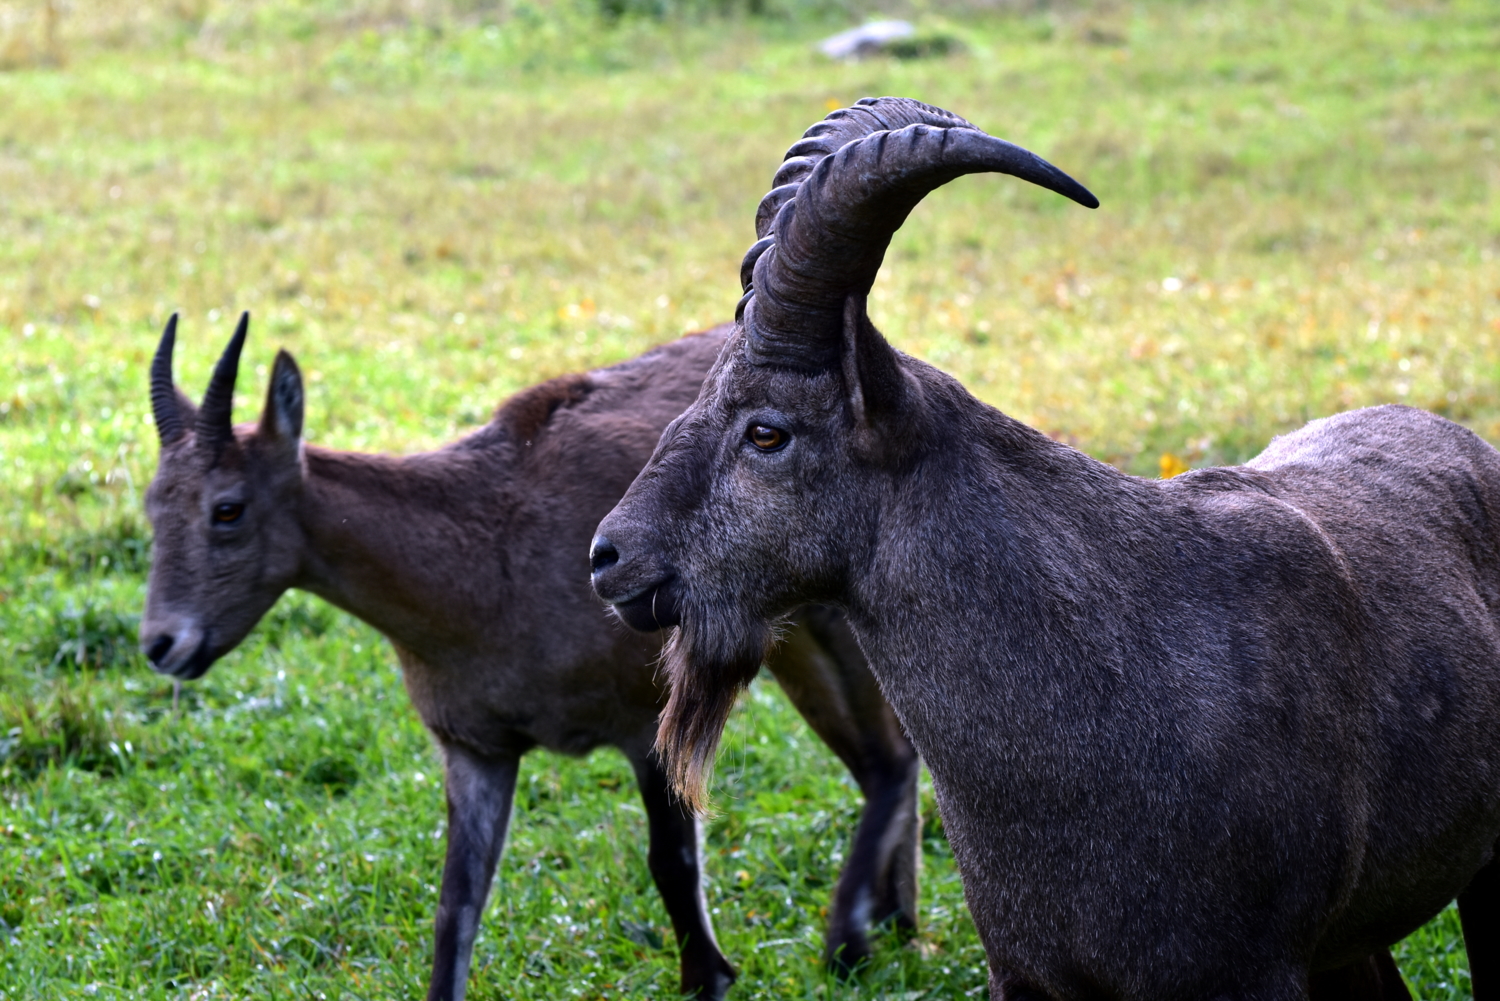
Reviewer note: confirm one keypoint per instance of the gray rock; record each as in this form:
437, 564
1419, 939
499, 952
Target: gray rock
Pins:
865, 40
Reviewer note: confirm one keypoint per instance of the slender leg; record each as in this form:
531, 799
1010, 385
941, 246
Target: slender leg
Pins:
1479, 911
823, 672
677, 868
1372, 979
480, 791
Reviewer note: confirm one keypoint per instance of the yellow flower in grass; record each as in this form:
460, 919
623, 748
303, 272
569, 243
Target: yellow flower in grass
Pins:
1171, 465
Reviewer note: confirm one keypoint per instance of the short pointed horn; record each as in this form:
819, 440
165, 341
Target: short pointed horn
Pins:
164, 406
830, 231
215, 425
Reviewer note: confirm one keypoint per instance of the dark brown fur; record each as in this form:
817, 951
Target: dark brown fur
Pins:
471, 559
524, 414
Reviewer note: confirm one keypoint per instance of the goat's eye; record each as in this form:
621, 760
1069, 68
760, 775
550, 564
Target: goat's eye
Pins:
227, 514
767, 439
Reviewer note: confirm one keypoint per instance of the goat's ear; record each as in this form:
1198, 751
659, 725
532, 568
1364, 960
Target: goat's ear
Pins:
878, 390
282, 419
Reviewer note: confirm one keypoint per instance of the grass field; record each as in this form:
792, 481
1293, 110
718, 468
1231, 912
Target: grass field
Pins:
434, 206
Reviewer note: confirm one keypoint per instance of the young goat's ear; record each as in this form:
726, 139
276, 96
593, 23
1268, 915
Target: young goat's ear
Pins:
879, 391
282, 419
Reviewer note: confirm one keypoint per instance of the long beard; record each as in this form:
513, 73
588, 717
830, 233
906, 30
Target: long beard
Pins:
708, 660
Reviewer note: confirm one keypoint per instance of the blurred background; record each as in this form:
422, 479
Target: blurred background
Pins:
435, 204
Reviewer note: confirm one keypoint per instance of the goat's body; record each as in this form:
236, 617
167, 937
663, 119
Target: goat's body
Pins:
505, 507
515, 652
1263, 718
471, 559
1225, 736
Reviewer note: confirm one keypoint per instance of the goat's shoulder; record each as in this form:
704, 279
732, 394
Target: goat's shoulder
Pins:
1236, 502
1219, 480
673, 370
523, 416
521, 419
642, 392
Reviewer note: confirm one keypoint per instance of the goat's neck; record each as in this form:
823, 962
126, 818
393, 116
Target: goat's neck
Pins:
386, 539
1043, 552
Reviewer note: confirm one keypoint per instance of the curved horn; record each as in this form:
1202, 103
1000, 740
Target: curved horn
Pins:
869, 114
828, 230
215, 428
164, 409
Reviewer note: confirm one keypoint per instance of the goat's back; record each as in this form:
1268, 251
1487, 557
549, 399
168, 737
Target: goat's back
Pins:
1407, 505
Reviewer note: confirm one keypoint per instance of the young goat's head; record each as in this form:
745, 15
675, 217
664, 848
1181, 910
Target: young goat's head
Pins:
221, 509
764, 495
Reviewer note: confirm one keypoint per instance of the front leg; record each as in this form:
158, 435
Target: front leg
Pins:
677, 868
479, 792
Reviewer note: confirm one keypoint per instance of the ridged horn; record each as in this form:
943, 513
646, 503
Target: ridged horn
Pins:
164, 409
215, 415
838, 199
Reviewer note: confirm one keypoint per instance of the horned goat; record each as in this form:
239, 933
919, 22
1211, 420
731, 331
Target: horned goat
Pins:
1219, 736
471, 560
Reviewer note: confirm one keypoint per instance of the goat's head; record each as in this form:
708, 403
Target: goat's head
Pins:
222, 510
764, 495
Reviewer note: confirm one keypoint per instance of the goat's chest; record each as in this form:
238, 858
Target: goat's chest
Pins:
503, 700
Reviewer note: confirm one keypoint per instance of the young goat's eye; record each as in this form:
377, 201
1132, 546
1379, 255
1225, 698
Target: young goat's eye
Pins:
767, 439
227, 514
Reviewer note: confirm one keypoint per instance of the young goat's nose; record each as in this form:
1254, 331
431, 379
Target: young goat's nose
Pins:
602, 554
160, 647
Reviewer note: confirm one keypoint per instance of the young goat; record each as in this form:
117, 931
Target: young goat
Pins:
471, 560
1212, 737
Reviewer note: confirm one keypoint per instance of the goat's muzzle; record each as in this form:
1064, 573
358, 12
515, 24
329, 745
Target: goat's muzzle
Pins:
644, 593
182, 652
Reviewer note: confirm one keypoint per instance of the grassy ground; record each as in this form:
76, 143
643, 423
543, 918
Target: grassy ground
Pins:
435, 206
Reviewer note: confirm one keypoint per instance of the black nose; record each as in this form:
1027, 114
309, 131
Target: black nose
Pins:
602, 554
159, 649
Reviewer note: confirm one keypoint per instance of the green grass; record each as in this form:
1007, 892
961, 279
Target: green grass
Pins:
280, 833
1300, 215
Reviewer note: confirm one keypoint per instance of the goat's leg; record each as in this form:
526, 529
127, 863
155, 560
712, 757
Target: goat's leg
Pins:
1375, 978
823, 672
677, 868
1479, 912
479, 793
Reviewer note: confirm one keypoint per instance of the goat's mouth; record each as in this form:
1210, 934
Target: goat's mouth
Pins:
198, 664
185, 664
652, 608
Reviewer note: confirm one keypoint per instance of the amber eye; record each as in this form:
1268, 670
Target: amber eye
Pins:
767, 439
226, 514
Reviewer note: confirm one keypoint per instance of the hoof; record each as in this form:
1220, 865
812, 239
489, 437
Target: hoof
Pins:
708, 981
846, 956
